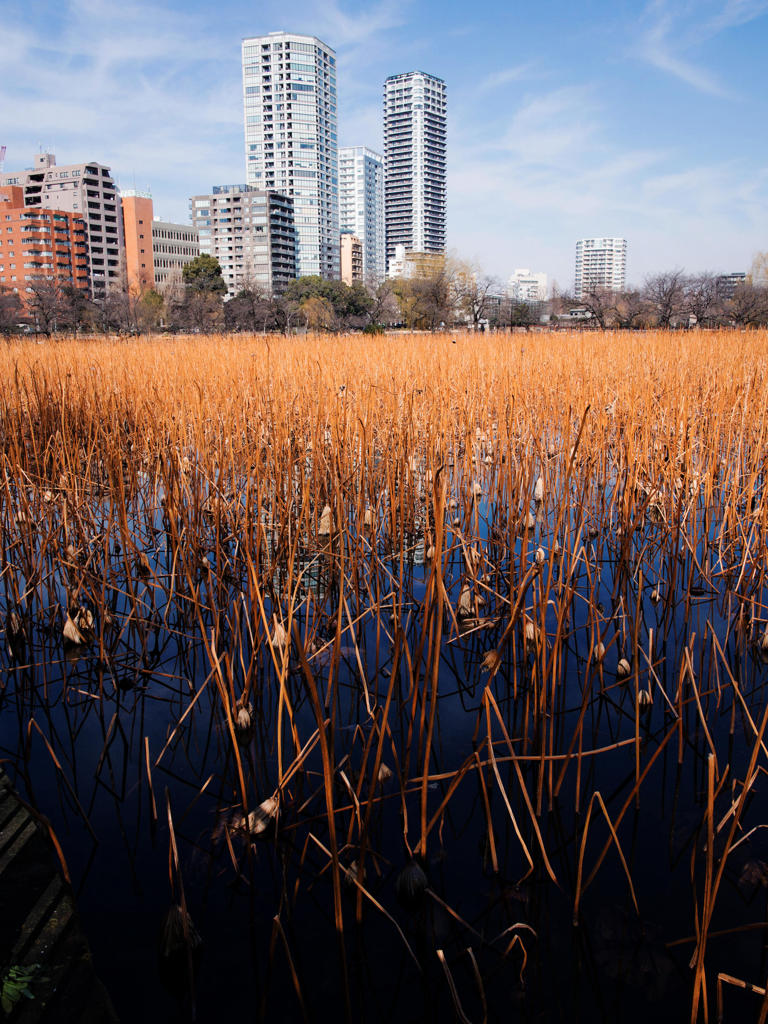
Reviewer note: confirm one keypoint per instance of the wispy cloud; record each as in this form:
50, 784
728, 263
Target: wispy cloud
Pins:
498, 79
363, 25
671, 32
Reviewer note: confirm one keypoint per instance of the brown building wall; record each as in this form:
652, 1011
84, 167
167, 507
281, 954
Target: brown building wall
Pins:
138, 214
351, 259
40, 243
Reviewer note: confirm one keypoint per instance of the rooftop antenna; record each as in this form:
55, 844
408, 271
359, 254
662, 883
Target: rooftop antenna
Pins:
2, 158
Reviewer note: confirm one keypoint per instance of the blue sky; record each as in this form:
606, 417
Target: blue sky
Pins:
605, 117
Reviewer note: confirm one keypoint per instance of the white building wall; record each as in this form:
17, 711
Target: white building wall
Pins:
600, 263
361, 205
524, 286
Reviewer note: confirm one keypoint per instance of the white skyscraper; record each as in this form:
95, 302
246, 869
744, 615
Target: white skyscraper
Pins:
524, 286
414, 162
600, 263
361, 206
291, 146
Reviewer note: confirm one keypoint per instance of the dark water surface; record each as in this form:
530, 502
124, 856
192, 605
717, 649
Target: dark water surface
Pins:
126, 697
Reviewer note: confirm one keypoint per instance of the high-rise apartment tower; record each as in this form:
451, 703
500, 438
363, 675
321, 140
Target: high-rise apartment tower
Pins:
414, 163
361, 206
291, 145
600, 263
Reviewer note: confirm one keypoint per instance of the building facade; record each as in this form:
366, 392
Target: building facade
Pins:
173, 247
405, 264
291, 143
415, 163
39, 244
251, 233
88, 191
361, 206
352, 261
600, 263
726, 284
523, 286
156, 251
137, 232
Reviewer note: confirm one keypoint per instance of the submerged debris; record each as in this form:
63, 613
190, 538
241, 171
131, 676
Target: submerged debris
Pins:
411, 882
263, 816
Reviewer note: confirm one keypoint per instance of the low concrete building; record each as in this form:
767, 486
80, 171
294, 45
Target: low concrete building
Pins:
173, 246
414, 264
523, 286
156, 251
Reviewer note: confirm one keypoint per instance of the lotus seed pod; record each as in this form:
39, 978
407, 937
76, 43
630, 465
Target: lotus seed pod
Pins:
411, 882
623, 669
465, 602
243, 721
540, 556
599, 651
538, 490
260, 819
368, 519
279, 635
477, 490
71, 633
84, 620
655, 596
325, 522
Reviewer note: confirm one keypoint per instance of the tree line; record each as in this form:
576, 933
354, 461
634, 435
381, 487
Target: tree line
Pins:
444, 293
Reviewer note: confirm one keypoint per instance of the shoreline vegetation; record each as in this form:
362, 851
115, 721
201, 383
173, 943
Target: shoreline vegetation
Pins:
453, 645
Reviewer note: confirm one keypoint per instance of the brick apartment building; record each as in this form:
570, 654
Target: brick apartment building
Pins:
89, 191
39, 243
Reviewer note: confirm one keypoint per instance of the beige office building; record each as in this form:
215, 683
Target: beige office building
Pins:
173, 245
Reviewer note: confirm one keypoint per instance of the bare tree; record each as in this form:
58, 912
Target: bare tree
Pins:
631, 309
749, 306
46, 304
10, 310
384, 309
701, 299
665, 294
601, 303
472, 292
251, 309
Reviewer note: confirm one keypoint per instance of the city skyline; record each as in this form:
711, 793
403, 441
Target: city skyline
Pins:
654, 138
